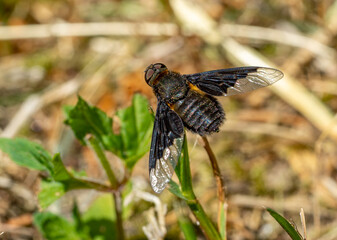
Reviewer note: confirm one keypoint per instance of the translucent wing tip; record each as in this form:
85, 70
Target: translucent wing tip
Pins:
158, 184
163, 171
270, 75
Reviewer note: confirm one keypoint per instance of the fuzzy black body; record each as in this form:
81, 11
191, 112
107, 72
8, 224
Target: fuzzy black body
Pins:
200, 112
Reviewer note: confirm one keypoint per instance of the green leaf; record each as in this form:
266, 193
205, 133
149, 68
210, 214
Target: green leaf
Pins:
223, 220
62, 175
54, 227
34, 156
66, 109
135, 128
100, 218
26, 153
85, 119
285, 224
61, 181
50, 191
184, 173
175, 189
187, 228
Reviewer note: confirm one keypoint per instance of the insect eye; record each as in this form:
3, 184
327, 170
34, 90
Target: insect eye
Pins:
149, 73
159, 66
153, 71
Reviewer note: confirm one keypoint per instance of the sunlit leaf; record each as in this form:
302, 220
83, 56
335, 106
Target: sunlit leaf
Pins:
85, 119
175, 189
133, 136
285, 224
60, 182
136, 129
50, 191
222, 221
184, 173
26, 153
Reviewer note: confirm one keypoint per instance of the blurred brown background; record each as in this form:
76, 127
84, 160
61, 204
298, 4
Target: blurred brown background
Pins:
277, 148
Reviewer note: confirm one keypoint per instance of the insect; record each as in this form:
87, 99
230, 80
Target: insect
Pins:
188, 101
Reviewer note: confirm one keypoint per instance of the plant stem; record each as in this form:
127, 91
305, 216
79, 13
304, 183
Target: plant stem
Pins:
96, 185
184, 175
216, 170
118, 203
205, 223
104, 161
222, 208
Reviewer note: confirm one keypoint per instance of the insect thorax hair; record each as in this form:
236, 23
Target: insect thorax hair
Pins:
171, 87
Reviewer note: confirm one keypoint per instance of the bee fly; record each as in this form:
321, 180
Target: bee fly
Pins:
187, 101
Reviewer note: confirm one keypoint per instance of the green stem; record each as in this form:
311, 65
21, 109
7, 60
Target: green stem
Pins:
205, 223
96, 185
222, 211
114, 184
104, 161
118, 202
184, 173
185, 178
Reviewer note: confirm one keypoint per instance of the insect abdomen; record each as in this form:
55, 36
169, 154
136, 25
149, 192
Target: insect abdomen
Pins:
200, 113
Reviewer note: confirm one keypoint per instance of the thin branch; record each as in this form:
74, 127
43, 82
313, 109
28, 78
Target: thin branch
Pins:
216, 170
304, 226
87, 29
97, 185
98, 149
222, 209
118, 203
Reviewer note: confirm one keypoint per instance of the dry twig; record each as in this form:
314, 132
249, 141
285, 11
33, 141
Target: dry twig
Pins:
304, 226
87, 29
219, 181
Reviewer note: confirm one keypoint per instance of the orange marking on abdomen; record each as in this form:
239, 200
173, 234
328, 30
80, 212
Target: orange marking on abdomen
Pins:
195, 88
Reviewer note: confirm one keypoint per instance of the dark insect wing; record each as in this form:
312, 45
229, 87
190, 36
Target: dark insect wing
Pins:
233, 81
166, 144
